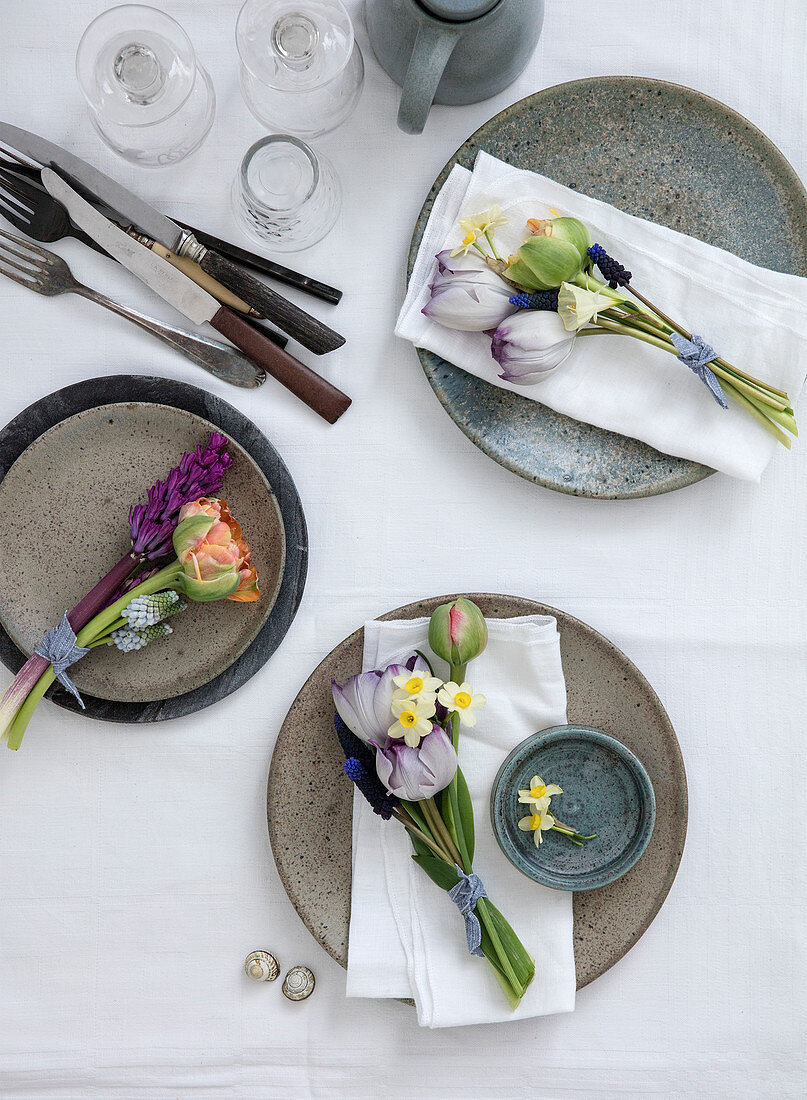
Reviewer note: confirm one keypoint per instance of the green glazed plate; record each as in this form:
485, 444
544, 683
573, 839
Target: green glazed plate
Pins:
656, 150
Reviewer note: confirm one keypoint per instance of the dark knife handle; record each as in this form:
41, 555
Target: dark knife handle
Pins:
311, 333
267, 267
310, 387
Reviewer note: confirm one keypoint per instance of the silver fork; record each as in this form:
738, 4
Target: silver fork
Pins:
46, 273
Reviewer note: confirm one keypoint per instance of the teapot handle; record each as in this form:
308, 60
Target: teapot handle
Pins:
433, 47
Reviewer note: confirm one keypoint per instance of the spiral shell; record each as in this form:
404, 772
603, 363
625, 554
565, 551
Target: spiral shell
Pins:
261, 966
298, 983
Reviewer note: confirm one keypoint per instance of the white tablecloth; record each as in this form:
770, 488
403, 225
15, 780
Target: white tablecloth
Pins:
135, 870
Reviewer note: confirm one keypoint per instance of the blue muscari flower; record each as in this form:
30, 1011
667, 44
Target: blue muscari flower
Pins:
540, 299
612, 271
368, 783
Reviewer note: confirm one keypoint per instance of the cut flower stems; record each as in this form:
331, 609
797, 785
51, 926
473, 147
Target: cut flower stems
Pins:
418, 780
553, 270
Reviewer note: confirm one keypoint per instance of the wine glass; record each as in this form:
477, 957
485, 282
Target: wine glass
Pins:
149, 98
302, 71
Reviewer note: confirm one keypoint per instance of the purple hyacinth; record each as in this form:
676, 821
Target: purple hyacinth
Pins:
199, 474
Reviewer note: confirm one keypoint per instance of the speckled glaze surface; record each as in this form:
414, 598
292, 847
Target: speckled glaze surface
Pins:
604, 689
606, 791
662, 152
85, 454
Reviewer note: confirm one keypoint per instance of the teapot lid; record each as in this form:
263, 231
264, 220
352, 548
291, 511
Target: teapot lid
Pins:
458, 11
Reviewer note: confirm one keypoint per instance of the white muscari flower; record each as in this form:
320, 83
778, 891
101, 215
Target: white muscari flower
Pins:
413, 719
148, 610
460, 699
538, 822
128, 640
538, 790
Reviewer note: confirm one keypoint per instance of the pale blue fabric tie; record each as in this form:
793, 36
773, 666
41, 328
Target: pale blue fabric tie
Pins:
696, 354
59, 647
465, 895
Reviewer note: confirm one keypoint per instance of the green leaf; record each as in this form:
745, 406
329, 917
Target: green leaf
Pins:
466, 813
439, 872
521, 960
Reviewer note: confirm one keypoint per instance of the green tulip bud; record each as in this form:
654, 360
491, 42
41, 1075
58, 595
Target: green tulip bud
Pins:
458, 631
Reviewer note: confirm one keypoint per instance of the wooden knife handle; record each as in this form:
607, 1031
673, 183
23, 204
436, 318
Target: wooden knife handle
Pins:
310, 331
310, 387
201, 278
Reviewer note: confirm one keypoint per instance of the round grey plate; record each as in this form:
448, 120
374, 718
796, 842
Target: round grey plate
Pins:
662, 152
607, 794
84, 454
604, 689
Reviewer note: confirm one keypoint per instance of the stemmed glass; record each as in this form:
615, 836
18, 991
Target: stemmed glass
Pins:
301, 69
149, 98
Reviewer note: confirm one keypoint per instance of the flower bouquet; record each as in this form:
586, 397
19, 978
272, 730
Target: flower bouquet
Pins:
538, 301
185, 543
400, 732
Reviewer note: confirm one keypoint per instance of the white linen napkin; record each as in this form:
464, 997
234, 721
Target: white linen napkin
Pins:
407, 938
755, 318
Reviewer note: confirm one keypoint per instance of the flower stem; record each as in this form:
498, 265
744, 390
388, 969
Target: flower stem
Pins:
441, 833
409, 824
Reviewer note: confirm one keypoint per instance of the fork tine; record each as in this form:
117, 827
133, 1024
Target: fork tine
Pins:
15, 214
29, 272
41, 254
12, 184
11, 154
16, 200
6, 251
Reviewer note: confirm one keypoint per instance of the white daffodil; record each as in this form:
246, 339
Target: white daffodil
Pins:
577, 306
460, 699
414, 684
468, 242
538, 791
485, 222
413, 719
537, 823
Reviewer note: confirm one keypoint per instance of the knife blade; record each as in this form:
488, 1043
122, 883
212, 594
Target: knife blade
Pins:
196, 304
91, 182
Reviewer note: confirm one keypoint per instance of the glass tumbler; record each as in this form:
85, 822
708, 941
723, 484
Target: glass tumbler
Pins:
302, 71
149, 98
284, 196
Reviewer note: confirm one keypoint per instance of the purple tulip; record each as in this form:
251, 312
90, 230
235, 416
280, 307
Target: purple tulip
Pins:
529, 346
415, 774
467, 295
364, 701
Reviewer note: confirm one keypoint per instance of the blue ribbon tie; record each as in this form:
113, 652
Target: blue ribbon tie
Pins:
696, 354
465, 895
59, 647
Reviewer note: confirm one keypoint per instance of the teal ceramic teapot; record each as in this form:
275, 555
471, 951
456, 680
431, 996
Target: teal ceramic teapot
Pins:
451, 51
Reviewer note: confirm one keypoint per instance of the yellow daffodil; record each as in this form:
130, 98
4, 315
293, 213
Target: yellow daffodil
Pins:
485, 222
538, 790
414, 684
460, 699
413, 719
538, 822
468, 242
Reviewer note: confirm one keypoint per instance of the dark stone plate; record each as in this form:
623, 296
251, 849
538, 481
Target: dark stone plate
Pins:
604, 689
662, 152
83, 455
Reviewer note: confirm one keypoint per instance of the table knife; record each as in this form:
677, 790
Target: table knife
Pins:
310, 331
197, 305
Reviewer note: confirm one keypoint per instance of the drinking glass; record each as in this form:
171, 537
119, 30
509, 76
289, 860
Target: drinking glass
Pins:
284, 195
149, 98
301, 69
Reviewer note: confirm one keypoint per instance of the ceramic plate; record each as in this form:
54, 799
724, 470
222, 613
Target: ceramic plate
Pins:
84, 454
604, 688
656, 150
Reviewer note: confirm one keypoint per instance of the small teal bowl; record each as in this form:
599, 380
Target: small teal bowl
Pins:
606, 791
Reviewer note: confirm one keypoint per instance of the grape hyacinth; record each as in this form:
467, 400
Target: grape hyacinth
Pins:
614, 273
145, 611
539, 299
128, 640
368, 783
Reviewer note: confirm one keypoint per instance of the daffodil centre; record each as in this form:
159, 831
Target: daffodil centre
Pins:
538, 792
462, 699
415, 685
407, 718
535, 821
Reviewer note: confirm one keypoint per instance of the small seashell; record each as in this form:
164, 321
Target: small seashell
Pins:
261, 966
298, 983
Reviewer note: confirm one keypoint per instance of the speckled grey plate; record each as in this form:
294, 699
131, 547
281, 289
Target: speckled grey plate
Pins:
84, 455
607, 794
656, 150
604, 689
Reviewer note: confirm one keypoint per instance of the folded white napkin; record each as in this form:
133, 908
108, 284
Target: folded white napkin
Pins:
407, 938
755, 318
